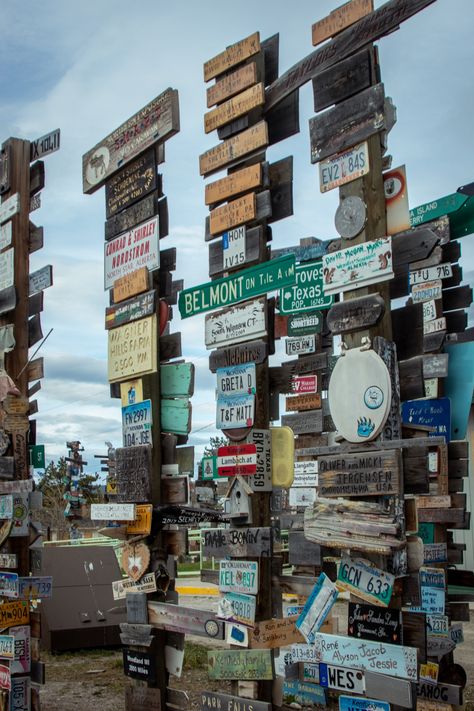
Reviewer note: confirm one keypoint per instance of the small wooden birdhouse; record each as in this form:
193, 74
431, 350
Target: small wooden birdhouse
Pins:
238, 494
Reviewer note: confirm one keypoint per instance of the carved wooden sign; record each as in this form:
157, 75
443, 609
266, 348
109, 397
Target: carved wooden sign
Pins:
133, 473
239, 543
132, 349
240, 664
270, 634
340, 18
236, 324
131, 310
139, 247
356, 314
189, 620
365, 474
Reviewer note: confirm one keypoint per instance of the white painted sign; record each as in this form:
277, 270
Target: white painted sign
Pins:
299, 345
238, 576
306, 474
120, 588
237, 380
429, 310
302, 496
322, 598
5, 235
390, 659
357, 266
40, 280
7, 270
440, 271
344, 167
235, 412
427, 291
113, 512
237, 607
233, 245
236, 324
9, 207
139, 247
438, 324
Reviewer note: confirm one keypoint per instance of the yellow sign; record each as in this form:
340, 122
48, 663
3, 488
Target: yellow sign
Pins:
131, 391
142, 523
283, 452
111, 486
14, 613
133, 349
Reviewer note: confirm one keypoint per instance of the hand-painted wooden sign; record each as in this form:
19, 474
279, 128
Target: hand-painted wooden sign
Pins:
133, 471
300, 345
307, 292
374, 623
439, 693
237, 324
304, 422
131, 310
185, 516
237, 182
236, 380
254, 352
131, 285
132, 349
317, 607
234, 107
176, 618
360, 265
244, 143
344, 167
234, 412
250, 664
139, 247
237, 607
440, 271
429, 413
235, 54
113, 512
365, 581
155, 122
339, 19
238, 543
139, 665
368, 474
238, 459
427, 291
311, 401
223, 702
245, 284
356, 314
232, 214
231, 84
238, 576
130, 184
435, 553
352, 703
175, 490
388, 659
308, 694
136, 424
35, 587
270, 634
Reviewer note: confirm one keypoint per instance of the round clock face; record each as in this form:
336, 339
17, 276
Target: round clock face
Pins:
211, 627
350, 217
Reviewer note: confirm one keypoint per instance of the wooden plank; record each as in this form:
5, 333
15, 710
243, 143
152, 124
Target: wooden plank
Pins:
240, 664
35, 369
36, 303
302, 423
232, 84
439, 693
233, 213
132, 216
457, 298
233, 184
262, 211
301, 551
35, 332
280, 176
35, 238
131, 310
133, 182
441, 515
254, 352
131, 285
411, 379
361, 474
233, 149
409, 344
8, 300
176, 416
175, 490
234, 107
340, 18
132, 349
160, 118
133, 471
141, 698
343, 80
238, 543
311, 401
214, 700
270, 634
356, 314
284, 119
254, 249
233, 55
382, 21
177, 380
176, 618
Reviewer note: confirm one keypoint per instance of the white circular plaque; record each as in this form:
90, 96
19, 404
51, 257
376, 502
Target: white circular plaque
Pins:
360, 395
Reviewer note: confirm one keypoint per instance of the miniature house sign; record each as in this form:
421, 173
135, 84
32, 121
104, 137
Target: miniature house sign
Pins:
360, 407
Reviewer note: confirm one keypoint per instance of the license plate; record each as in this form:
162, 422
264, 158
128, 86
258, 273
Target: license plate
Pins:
300, 345
344, 167
340, 678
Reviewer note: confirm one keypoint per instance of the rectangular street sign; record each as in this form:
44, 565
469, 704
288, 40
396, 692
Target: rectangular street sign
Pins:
49, 143
306, 292
237, 459
344, 167
245, 284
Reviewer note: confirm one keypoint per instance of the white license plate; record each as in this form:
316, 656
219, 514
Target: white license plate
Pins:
344, 167
300, 345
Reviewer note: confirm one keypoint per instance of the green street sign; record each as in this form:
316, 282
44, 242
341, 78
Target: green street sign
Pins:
305, 324
240, 286
437, 208
307, 293
209, 468
37, 456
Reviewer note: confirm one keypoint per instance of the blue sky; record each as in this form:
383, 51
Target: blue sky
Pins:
86, 67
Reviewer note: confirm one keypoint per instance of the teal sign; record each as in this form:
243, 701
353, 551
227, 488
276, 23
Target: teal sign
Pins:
306, 293
426, 532
37, 456
459, 386
437, 208
243, 285
209, 468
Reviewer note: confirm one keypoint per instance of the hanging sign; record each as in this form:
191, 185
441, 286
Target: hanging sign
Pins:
237, 380
238, 459
132, 349
363, 580
427, 291
132, 250
233, 245
344, 167
322, 598
374, 623
235, 412
238, 576
236, 324
357, 266
429, 413
300, 345
136, 424
439, 271
305, 323
237, 607
307, 293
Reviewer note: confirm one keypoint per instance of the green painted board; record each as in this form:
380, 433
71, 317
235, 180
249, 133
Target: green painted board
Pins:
242, 285
461, 223
426, 532
209, 468
240, 664
177, 380
176, 416
437, 208
37, 456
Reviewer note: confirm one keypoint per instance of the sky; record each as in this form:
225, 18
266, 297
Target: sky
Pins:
87, 67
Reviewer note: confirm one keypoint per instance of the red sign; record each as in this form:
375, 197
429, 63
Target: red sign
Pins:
304, 384
5, 678
237, 459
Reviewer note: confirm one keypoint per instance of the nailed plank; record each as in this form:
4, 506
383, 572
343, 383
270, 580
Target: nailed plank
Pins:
363, 474
348, 123
238, 543
130, 310
302, 423
280, 176
284, 119
356, 314
340, 18
232, 84
344, 79
254, 352
170, 347
234, 107
35, 238
237, 182
133, 182
189, 620
237, 324
301, 551
141, 698
234, 213
130, 285
35, 369
134, 215
233, 55
133, 471
458, 298
35, 332
310, 401
215, 700
228, 152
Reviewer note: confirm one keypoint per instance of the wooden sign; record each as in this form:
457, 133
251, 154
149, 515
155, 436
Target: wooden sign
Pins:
236, 324
232, 84
135, 560
139, 665
175, 490
270, 634
344, 167
243, 144
237, 182
132, 349
113, 512
367, 263
12, 487
132, 250
389, 659
234, 54
142, 522
237, 460
131, 310
302, 403
140, 698
176, 618
365, 581
130, 285
374, 623
157, 121
307, 291
176, 416
132, 183
301, 551
133, 471
7, 277
232, 214
234, 107
238, 576
356, 314
302, 423
223, 702
186, 516
238, 543
254, 352
139, 212
9, 207
368, 474
240, 664
427, 291
177, 380
440, 693
340, 18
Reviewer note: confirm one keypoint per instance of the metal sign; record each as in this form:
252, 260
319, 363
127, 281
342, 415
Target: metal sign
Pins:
304, 384
49, 143
427, 291
239, 576
237, 324
360, 265
235, 412
262, 479
300, 345
136, 424
317, 607
236, 380
233, 244
333, 677
304, 324
35, 587
434, 413
139, 247
245, 284
437, 208
351, 703
439, 271
237, 607
37, 456
344, 167
306, 474
363, 580
307, 293
238, 459
7, 276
